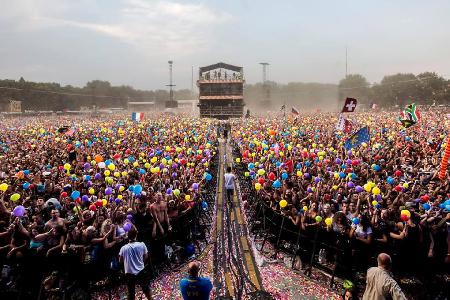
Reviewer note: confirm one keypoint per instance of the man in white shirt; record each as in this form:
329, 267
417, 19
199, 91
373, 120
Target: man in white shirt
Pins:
379, 283
133, 256
229, 185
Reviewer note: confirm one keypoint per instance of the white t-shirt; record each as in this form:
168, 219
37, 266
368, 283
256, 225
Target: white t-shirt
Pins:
133, 257
229, 181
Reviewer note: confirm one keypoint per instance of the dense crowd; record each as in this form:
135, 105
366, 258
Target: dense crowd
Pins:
382, 196
71, 189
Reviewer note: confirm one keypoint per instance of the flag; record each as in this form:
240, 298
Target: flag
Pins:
137, 116
361, 136
410, 115
344, 125
294, 111
348, 126
349, 105
70, 132
283, 107
374, 106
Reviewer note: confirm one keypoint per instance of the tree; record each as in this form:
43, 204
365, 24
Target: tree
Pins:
354, 86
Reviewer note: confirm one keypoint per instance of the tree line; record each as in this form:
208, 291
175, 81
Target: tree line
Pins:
393, 90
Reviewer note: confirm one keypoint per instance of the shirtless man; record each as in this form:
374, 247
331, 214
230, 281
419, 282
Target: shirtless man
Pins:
159, 213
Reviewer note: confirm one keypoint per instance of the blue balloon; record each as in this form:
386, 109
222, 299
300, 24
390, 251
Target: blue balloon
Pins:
204, 205
141, 171
284, 176
299, 166
276, 184
107, 162
447, 207
137, 189
208, 177
26, 172
390, 180
341, 175
251, 166
307, 163
85, 198
355, 221
26, 185
131, 188
87, 177
75, 195
426, 206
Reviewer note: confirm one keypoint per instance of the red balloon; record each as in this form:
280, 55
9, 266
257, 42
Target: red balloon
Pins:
64, 194
261, 180
245, 154
93, 207
31, 186
183, 161
398, 173
425, 198
404, 218
355, 162
398, 188
272, 176
319, 165
116, 156
128, 151
99, 203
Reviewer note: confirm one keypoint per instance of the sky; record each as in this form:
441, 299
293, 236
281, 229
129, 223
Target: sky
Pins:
128, 42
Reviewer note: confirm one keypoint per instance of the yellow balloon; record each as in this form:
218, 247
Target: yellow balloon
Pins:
187, 197
117, 174
405, 185
107, 173
91, 191
238, 160
120, 197
305, 208
367, 187
299, 174
3, 187
112, 167
67, 167
261, 172
376, 191
257, 186
283, 203
121, 188
104, 202
15, 197
328, 221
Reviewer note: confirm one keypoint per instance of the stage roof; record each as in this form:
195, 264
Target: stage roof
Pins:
220, 65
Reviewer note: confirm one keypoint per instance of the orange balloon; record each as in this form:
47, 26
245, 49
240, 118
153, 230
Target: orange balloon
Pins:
98, 158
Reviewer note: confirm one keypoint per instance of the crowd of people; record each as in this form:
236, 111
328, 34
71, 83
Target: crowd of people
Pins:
384, 195
71, 189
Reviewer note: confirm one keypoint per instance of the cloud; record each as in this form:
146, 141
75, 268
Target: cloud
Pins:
152, 27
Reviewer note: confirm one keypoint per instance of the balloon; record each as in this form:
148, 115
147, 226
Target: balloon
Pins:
350, 185
404, 218
176, 192
101, 165
328, 221
137, 189
107, 173
3, 187
26, 185
305, 208
195, 186
405, 185
111, 166
104, 202
85, 198
14, 197
238, 160
127, 226
64, 194
93, 207
276, 184
341, 174
374, 203
284, 176
261, 172
187, 197
376, 191
367, 187
318, 219
355, 221
67, 167
390, 180
87, 166
98, 158
271, 176
398, 173
91, 191
283, 203
204, 205
334, 187
251, 166
208, 177
426, 206
108, 191
75, 195
257, 186
19, 211
406, 213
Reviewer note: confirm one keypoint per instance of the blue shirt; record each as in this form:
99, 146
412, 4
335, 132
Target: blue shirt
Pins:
195, 288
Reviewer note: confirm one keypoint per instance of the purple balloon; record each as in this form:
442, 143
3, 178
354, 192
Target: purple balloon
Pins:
117, 200
127, 226
358, 189
350, 184
350, 153
338, 161
306, 175
108, 191
169, 191
87, 166
89, 183
97, 176
378, 197
195, 186
19, 211
85, 198
309, 190
317, 180
349, 162
174, 174
130, 217
175, 166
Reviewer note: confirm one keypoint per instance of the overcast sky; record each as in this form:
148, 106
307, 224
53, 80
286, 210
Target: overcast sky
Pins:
130, 41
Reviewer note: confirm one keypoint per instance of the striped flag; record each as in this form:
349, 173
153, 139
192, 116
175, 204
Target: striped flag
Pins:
137, 116
294, 111
410, 115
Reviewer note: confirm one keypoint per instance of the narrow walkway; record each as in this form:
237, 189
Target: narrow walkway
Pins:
236, 275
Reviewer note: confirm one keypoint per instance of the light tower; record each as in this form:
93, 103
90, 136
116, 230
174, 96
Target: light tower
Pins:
171, 103
266, 90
